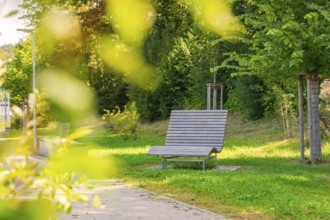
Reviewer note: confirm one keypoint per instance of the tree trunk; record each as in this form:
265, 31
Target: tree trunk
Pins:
313, 88
301, 118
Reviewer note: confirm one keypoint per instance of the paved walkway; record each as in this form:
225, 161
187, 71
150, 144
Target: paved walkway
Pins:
124, 202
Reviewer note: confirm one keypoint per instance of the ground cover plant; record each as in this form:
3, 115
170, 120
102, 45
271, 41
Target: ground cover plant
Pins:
271, 183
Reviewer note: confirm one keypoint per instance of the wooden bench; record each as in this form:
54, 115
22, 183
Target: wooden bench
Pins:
47, 146
193, 136
62, 129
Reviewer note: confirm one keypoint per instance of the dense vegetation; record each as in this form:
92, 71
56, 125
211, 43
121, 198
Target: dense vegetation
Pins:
164, 61
183, 51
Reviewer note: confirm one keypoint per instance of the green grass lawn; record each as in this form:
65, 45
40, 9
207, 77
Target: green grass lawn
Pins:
271, 183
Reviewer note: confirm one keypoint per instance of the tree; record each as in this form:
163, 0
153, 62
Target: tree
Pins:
78, 55
18, 75
285, 39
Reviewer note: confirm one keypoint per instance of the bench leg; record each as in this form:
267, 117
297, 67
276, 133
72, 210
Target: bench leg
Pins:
203, 165
163, 163
216, 159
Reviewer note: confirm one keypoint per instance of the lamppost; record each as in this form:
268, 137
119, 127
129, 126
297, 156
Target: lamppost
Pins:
35, 141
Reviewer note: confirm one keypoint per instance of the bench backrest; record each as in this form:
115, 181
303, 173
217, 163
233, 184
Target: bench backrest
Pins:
200, 128
62, 129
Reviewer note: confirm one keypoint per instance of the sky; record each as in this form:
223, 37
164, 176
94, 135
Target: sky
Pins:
9, 26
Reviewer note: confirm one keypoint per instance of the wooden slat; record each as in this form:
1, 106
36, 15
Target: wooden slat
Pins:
194, 139
198, 132
193, 144
196, 112
192, 117
203, 122
194, 126
194, 135
182, 151
198, 144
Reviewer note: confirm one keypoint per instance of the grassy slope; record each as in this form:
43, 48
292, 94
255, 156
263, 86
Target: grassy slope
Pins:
271, 183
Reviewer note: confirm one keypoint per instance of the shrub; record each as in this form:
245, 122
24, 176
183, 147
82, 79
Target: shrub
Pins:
124, 123
15, 123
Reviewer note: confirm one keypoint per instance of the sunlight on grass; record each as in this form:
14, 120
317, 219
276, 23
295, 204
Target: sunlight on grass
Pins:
281, 149
119, 151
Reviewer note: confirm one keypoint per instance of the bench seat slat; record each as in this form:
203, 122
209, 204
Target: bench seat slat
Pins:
206, 141
181, 151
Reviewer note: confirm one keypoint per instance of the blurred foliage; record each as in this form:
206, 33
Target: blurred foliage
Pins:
44, 115
6, 52
28, 183
125, 123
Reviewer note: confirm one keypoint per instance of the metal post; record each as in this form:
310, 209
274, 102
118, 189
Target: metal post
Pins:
214, 97
9, 126
221, 96
208, 96
216, 159
5, 105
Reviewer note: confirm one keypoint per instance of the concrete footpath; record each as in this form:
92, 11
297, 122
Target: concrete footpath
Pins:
124, 202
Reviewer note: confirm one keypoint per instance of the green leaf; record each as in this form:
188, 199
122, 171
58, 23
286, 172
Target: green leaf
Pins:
11, 13
215, 69
297, 54
291, 25
217, 41
274, 32
311, 16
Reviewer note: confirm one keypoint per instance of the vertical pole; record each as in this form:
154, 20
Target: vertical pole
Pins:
9, 126
5, 103
221, 96
301, 119
208, 96
214, 97
35, 141
22, 121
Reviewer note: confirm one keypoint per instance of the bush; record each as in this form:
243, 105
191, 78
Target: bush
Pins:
247, 96
124, 123
15, 123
